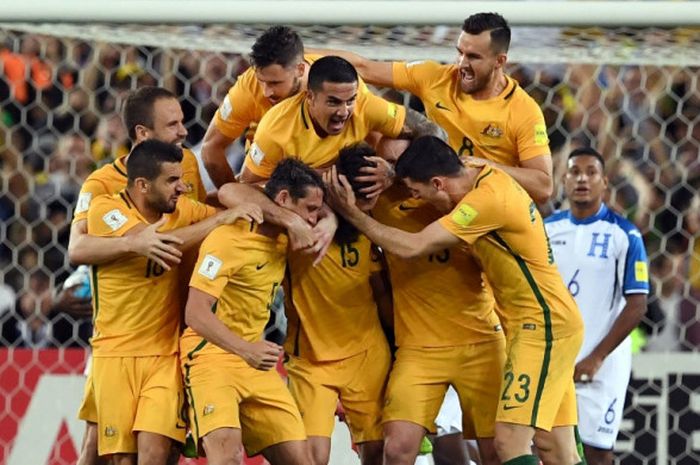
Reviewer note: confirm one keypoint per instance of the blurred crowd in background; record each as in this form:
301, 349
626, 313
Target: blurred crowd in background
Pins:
60, 102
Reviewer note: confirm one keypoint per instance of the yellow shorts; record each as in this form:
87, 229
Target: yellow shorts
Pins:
420, 376
359, 381
88, 409
225, 392
537, 387
136, 394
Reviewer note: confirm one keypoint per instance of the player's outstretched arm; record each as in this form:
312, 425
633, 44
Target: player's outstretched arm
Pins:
84, 249
432, 238
378, 73
629, 318
301, 235
214, 148
261, 355
193, 234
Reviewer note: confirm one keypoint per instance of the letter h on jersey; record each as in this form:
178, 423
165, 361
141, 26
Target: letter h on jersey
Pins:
603, 244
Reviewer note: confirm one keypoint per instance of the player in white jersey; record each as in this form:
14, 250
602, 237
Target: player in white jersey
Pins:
601, 257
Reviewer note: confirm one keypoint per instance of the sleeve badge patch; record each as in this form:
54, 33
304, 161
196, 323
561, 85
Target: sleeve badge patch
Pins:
464, 215
83, 202
115, 219
226, 108
256, 154
640, 271
210, 266
541, 135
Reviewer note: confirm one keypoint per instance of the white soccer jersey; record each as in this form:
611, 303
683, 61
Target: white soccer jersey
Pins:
600, 258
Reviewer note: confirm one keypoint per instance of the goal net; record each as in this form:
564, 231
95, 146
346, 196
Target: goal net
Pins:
633, 93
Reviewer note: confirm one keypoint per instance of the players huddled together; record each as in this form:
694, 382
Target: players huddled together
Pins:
412, 257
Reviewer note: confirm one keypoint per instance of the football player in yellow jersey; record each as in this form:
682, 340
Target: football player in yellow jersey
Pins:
334, 112
136, 304
492, 213
149, 113
334, 333
279, 70
485, 113
235, 395
447, 333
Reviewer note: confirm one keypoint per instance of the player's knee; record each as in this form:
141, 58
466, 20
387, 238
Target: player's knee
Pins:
511, 442
544, 441
398, 449
153, 452
319, 456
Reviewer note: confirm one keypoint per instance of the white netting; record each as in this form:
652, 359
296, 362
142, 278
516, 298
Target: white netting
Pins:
633, 93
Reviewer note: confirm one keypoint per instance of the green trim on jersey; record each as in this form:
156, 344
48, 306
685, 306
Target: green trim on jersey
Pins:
547, 315
95, 294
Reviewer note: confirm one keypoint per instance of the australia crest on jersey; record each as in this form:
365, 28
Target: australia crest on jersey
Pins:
492, 130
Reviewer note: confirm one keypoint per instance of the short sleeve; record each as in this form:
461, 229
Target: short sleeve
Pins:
90, 190
108, 217
264, 154
636, 278
414, 76
217, 261
237, 110
383, 116
476, 215
531, 131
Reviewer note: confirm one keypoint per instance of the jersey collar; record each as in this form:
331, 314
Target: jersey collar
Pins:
602, 211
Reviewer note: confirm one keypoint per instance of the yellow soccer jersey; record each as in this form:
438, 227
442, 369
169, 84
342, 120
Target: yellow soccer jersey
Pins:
135, 301
243, 270
439, 300
506, 232
245, 104
111, 179
331, 313
507, 129
287, 131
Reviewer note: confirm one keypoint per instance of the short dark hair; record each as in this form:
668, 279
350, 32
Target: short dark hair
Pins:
426, 157
588, 151
497, 24
331, 69
145, 159
138, 108
279, 45
351, 159
295, 177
